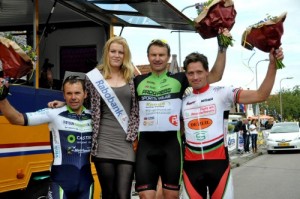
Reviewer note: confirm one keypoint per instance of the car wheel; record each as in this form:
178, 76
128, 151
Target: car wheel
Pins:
37, 189
270, 152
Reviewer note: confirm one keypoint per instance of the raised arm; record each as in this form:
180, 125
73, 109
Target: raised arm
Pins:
260, 95
9, 112
218, 68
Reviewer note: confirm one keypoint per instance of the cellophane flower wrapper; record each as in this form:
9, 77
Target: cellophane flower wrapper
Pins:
15, 62
219, 14
265, 35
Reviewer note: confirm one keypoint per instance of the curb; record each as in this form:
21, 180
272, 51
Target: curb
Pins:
237, 162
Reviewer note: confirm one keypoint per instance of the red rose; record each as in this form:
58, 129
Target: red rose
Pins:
219, 14
265, 35
14, 60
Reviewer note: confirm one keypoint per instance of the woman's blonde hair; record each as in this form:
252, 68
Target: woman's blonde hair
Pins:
127, 67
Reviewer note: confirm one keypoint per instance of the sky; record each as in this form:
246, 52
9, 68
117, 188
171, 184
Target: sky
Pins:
239, 71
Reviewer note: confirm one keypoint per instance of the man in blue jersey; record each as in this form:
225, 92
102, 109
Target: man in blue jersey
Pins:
71, 130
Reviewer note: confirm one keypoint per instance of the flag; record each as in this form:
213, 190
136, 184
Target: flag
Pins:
243, 108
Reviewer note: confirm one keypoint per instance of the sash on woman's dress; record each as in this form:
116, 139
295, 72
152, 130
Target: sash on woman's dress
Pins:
109, 96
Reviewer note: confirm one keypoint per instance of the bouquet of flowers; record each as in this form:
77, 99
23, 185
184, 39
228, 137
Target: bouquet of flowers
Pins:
17, 60
213, 16
265, 35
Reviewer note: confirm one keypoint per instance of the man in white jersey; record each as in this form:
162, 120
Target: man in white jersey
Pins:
71, 137
205, 112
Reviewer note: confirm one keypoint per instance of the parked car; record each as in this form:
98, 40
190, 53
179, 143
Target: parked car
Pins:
283, 136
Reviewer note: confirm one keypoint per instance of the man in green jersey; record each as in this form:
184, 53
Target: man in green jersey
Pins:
160, 94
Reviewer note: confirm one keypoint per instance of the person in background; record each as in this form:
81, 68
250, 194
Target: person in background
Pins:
253, 134
246, 135
46, 79
111, 95
159, 93
71, 175
238, 126
205, 113
269, 123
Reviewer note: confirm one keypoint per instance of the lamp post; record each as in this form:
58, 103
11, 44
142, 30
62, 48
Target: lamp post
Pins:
281, 113
257, 105
256, 70
179, 38
179, 43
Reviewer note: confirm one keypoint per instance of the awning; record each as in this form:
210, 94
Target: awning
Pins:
260, 117
17, 14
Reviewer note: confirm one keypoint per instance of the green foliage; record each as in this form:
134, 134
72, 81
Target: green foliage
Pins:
225, 41
290, 103
201, 6
26, 48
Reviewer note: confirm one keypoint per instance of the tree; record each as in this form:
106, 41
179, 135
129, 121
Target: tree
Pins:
290, 104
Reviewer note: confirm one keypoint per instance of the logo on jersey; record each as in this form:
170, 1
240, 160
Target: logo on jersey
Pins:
201, 123
218, 88
173, 119
157, 104
71, 138
76, 123
189, 103
207, 100
148, 121
200, 135
156, 93
150, 82
70, 150
163, 81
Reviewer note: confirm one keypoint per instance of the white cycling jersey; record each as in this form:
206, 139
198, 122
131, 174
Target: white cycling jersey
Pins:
205, 113
71, 134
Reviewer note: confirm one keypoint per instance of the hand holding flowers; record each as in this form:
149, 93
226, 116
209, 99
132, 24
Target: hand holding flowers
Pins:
4, 89
224, 39
214, 17
265, 35
276, 56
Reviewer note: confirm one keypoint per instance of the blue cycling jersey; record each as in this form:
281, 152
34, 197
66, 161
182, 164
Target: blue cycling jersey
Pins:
71, 141
71, 134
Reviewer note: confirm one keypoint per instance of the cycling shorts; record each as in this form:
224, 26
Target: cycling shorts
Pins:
202, 174
68, 181
159, 154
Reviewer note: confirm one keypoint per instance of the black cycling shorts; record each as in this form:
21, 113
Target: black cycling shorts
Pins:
159, 154
68, 181
215, 175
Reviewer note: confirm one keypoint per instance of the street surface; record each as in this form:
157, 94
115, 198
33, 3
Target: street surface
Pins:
269, 176
265, 176
236, 160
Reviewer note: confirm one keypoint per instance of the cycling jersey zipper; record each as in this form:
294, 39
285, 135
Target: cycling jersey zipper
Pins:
79, 119
199, 122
